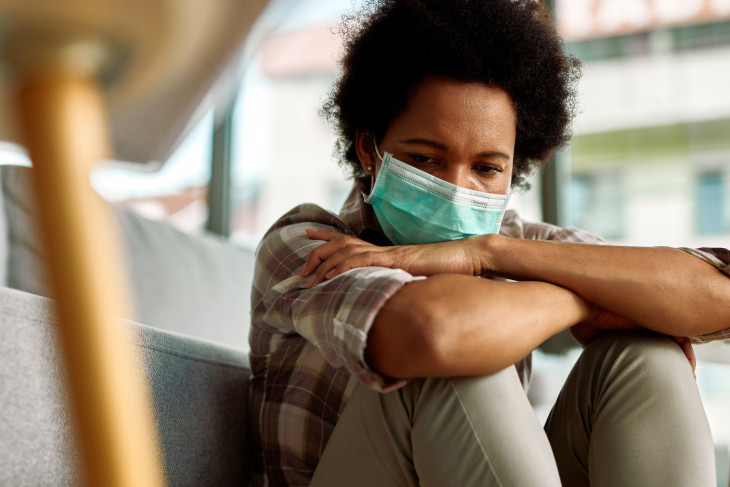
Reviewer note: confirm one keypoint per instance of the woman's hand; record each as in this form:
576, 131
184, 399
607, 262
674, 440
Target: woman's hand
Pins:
600, 322
686, 345
343, 252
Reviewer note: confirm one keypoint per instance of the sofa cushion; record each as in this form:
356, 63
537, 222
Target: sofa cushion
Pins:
199, 390
192, 284
25, 254
197, 285
3, 241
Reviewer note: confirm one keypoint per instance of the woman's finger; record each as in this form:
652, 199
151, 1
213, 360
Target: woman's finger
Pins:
313, 261
322, 253
689, 352
330, 263
364, 257
321, 234
350, 257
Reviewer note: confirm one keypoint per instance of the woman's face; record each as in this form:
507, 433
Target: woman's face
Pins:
463, 133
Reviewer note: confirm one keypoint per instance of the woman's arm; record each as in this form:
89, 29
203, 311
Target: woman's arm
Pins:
452, 325
663, 289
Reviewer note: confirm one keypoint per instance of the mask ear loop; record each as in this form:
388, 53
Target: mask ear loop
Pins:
377, 151
372, 178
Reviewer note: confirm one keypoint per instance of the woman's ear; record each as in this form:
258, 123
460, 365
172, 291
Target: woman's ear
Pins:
365, 149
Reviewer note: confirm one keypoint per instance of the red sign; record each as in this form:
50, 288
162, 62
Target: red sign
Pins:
588, 19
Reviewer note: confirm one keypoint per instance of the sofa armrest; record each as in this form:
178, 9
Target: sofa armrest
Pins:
199, 390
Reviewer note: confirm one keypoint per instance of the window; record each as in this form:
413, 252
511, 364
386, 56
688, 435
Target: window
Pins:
176, 193
282, 153
596, 203
710, 216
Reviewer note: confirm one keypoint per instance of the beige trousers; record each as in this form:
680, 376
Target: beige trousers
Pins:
629, 414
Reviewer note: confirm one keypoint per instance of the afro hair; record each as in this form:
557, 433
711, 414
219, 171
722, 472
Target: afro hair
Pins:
391, 46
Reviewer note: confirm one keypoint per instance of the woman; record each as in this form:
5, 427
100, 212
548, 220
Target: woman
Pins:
381, 354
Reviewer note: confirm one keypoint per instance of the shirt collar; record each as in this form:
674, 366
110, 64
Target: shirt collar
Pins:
360, 217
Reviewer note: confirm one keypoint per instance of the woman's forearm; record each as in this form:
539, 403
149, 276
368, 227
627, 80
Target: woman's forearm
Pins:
662, 289
451, 325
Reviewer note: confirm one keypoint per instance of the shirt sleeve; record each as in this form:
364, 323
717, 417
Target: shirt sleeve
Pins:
720, 258
515, 227
334, 316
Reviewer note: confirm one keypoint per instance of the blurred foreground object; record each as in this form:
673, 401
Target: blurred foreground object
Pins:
152, 63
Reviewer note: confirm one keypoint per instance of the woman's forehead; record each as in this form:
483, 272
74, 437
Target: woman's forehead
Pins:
447, 110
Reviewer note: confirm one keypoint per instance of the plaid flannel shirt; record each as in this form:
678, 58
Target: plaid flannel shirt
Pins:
307, 345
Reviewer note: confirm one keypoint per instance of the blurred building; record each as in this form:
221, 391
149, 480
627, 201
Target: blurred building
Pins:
651, 158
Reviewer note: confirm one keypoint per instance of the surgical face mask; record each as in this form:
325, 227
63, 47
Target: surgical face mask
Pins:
414, 207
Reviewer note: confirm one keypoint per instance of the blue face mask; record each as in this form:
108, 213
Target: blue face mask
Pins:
414, 207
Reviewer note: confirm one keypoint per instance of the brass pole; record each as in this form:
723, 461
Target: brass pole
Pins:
63, 116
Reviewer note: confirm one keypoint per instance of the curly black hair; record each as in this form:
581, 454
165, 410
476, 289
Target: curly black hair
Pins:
391, 46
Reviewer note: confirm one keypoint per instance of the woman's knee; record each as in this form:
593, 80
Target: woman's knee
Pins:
640, 347
638, 361
485, 423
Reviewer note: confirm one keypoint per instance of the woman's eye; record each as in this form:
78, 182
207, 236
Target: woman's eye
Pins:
419, 159
486, 169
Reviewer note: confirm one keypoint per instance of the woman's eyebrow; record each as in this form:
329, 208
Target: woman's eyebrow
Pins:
444, 148
430, 143
494, 153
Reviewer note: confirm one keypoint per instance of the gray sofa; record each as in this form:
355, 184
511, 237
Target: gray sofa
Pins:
192, 294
